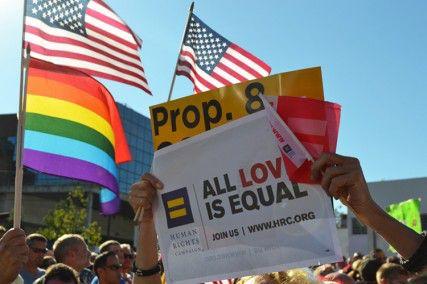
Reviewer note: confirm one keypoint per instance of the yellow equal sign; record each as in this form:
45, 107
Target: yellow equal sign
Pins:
176, 213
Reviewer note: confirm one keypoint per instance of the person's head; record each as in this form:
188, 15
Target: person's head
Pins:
72, 250
268, 278
114, 246
128, 257
378, 254
47, 262
107, 268
393, 259
323, 270
263, 279
37, 249
369, 268
356, 256
391, 273
61, 274
337, 277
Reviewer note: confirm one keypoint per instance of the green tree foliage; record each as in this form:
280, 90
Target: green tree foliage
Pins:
69, 217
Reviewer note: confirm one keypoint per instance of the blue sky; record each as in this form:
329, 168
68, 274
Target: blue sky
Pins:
372, 53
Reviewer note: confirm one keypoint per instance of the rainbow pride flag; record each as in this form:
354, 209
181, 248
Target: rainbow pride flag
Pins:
73, 128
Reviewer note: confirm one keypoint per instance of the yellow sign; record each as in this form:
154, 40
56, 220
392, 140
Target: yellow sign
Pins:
176, 120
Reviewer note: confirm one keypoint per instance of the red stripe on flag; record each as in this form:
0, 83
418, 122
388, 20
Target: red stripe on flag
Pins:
199, 78
189, 54
129, 30
221, 79
106, 20
230, 72
66, 54
183, 73
243, 65
115, 78
255, 59
110, 36
57, 39
103, 4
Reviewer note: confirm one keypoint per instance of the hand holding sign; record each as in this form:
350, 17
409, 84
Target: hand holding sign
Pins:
343, 179
141, 197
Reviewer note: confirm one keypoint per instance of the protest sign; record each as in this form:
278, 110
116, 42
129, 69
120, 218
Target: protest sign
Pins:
228, 209
179, 119
408, 213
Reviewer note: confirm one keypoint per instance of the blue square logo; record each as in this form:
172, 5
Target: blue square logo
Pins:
177, 208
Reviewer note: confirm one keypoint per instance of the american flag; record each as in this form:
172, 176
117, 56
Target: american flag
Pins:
211, 61
86, 35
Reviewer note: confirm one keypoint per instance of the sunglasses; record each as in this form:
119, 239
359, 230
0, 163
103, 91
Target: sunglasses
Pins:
38, 250
114, 267
129, 256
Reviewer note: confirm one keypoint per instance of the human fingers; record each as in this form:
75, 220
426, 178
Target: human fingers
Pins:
15, 252
15, 242
325, 159
339, 187
20, 252
12, 234
334, 171
328, 159
155, 182
141, 193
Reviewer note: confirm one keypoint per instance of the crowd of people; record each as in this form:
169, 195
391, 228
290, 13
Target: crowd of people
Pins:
27, 259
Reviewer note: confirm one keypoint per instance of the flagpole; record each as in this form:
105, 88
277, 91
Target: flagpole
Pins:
190, 12
25, 59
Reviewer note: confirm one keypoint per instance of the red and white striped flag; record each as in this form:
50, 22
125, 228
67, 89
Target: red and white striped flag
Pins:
211, 61
314, 123
86, 35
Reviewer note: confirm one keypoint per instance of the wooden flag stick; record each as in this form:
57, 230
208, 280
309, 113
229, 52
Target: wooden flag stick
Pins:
190, 12
25, 59
17, 208
139, 214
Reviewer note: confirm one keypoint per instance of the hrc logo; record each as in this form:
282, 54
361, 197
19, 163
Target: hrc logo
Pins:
177, 208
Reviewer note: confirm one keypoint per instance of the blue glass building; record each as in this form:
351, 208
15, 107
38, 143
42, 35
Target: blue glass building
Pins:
138, 134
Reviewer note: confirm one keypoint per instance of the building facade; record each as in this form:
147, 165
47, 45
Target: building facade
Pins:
41, 192
363, 239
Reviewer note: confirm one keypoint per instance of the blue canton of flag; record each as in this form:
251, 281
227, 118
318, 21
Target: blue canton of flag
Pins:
67, 15
211, 61
208, 45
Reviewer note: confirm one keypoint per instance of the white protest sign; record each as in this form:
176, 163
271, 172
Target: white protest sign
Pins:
229, 210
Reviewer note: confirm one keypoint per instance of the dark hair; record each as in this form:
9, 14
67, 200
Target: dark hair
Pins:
61, 272
105, 245
375, 251
393, 259
47, 262
30, 239
369, 268
101, 260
